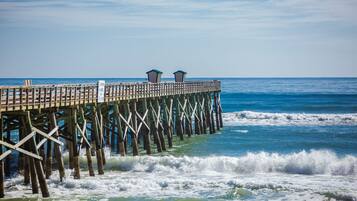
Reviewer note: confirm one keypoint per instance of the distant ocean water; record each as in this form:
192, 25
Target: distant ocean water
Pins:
284, 139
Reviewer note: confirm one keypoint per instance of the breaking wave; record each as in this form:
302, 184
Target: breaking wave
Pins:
265, 176
286, 119
304, 162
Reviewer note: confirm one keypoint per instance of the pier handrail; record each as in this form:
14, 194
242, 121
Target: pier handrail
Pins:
15, 98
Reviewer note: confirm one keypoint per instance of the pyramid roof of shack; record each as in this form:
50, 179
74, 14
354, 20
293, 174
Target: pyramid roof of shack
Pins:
154, 70
180, 71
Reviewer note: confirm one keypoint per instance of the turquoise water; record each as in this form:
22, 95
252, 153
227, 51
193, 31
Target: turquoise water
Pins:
284, 139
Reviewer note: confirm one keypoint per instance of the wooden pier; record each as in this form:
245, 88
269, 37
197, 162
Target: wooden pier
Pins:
39, 122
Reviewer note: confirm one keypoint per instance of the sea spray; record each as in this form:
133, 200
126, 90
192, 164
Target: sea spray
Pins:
304, 162
259, 174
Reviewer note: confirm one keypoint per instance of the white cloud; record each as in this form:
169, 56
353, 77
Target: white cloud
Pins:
179, 14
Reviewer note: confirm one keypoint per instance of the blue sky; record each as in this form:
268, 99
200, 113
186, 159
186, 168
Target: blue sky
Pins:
230, 38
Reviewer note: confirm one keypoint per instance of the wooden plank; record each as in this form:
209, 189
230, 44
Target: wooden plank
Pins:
53, 131
17, 147
47, 136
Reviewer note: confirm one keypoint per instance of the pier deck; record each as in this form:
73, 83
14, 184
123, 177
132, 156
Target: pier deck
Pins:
41, 121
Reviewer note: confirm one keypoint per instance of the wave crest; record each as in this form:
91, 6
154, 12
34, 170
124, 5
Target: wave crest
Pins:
282, 119
308, 163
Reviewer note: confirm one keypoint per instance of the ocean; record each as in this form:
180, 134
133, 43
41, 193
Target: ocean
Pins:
283, 139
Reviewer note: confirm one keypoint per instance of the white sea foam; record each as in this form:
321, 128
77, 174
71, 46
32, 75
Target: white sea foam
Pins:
282, 119
304, 175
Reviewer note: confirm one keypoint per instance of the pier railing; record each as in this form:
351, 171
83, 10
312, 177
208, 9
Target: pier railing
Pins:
15, 98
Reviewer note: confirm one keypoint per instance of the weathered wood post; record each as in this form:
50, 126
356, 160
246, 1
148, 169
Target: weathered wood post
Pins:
37, 163
188, 119
134, 134
57, 148
146, 132
87, 145
120, 141
220, 110
75, 150
159, 125
33, 175
49, 150
8, 158
96, 123
216, 110
178, 118
2, 192
208, 109
155, 127
167, 119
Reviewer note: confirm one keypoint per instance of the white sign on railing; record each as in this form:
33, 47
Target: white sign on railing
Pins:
101, 88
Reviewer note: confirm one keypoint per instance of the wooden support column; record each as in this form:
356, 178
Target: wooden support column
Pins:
212, 114
23, 157
179, 126
120, 141
201, 100
84, 140
9, 157
113, 126
195, 114
220, 110
208, 112
155, 127
167, 119
96, 126
37, 163
57, 148
134, 134
2, 192
146, 131
73, 132
216, 110
188, 119
159, 125
101, 132
69, 131
49, 150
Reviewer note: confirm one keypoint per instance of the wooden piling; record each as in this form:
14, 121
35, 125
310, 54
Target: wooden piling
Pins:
2, 192
216, 110
57, 148
146, 132
96, 123
155, 127
37, 163
120, 141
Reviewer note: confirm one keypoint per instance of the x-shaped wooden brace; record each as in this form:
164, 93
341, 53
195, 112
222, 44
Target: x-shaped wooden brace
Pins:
157, 116
219, 103
127, 125
48, 136
16, 147
142, 119
100, 127
184, 113
202, 105
82, 131
169, 111
194, 111
53, 131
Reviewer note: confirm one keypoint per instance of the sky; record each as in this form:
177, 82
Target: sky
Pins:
206, 38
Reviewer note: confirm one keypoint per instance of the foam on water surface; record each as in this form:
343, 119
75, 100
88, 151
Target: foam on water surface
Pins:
288, 119
309, 175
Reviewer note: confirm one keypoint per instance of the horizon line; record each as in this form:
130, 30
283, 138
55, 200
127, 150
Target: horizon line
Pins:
224, 77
